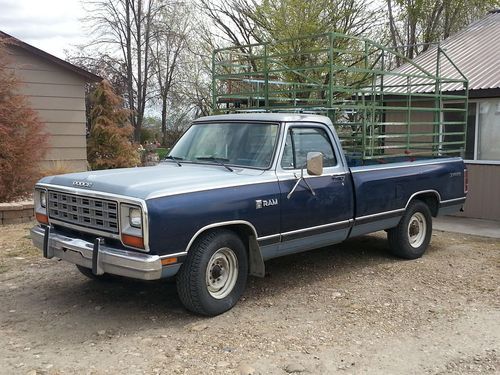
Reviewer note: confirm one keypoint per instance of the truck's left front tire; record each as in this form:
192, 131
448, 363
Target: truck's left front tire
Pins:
214, 275
88, 273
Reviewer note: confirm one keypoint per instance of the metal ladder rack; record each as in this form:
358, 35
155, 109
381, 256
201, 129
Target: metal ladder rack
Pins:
379, 112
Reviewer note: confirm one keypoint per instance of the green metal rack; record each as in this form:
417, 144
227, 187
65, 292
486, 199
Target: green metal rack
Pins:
378, 112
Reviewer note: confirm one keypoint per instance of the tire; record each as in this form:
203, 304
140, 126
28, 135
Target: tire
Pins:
410, 239
214, 275
88, 273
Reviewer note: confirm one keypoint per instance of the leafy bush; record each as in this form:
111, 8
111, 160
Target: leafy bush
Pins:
147, 135
162, 152
109, 145
23, 141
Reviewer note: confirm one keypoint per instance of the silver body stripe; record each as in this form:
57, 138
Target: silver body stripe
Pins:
453, 200
268, 237
269, 177
380, 214
317, 227
412, 164
306, 229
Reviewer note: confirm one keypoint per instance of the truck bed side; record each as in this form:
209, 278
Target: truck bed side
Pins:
382, 192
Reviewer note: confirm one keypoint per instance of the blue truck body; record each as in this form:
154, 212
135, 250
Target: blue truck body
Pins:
182, 203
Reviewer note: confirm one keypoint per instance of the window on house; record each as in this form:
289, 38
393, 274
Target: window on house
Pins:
482, 140
488, 135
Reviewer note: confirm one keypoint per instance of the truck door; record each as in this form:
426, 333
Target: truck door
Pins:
319, 215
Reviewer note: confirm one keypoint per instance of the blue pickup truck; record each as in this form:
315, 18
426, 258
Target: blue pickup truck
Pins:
235, 191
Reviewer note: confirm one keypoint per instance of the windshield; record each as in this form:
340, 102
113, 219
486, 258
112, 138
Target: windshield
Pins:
238, 144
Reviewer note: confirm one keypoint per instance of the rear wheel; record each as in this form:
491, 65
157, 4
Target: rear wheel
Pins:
411, 237
214, 275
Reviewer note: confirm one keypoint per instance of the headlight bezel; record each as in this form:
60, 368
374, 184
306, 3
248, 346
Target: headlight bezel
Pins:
39, 207
131, 234
41, 212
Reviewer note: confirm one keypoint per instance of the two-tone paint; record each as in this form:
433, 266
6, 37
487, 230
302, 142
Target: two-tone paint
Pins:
181, 203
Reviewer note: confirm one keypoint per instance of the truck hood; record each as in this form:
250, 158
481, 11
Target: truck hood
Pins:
164, 179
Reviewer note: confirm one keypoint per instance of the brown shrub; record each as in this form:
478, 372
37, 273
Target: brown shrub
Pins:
23, 141
109, 145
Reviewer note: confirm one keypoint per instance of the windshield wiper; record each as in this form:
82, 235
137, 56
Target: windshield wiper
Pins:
217, 160
175, 158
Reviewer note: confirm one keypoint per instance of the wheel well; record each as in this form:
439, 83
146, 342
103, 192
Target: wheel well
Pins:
248, 236
430, 199
243, 231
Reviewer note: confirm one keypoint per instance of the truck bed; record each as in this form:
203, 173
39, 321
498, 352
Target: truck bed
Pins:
383, 191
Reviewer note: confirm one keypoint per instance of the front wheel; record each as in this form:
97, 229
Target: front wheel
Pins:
214, 275
411, 237
87, 272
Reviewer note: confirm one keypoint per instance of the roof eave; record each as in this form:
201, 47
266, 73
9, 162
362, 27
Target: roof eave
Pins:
88, 76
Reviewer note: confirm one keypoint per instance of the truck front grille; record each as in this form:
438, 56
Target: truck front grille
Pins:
83, 211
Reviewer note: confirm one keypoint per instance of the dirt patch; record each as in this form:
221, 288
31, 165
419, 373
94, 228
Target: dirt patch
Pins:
350, 308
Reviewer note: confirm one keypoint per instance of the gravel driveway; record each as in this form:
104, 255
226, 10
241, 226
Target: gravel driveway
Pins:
347, 309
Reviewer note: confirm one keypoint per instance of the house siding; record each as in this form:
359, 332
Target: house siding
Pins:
483, 200
395, 116
58, 96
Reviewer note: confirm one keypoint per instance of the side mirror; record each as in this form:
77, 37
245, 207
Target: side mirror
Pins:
314, 163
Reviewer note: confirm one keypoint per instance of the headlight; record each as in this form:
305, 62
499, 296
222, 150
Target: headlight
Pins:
43, 198
135, 217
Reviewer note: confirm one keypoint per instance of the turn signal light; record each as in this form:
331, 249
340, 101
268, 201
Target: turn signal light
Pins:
133, 241
41, 218
167, 261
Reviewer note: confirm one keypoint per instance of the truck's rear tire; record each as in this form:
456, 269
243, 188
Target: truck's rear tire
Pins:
411, 237
214, 275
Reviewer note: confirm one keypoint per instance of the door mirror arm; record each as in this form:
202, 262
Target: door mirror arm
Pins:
301, 178
314, 168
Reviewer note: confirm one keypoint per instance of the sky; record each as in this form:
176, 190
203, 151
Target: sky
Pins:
51, 25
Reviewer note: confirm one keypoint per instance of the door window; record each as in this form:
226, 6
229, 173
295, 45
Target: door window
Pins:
300, 141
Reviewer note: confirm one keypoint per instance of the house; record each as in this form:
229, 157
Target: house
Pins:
475, 51
56, 90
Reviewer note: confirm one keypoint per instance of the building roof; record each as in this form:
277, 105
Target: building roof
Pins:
475, 51
88, 76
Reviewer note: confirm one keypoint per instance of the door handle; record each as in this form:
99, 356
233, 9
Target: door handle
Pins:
340, 179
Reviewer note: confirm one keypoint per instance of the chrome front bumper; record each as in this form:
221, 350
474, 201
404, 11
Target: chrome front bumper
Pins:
99, 257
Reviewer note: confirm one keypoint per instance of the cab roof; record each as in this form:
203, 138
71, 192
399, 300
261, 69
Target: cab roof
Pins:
270, 117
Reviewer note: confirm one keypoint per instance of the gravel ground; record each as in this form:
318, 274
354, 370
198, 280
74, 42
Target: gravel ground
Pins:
347, 309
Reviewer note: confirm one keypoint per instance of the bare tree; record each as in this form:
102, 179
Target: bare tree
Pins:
414, 25
230, 23
169, 46
124, 27
231, 20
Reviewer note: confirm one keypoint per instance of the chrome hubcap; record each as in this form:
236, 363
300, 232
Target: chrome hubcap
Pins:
222, 273
417, 228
